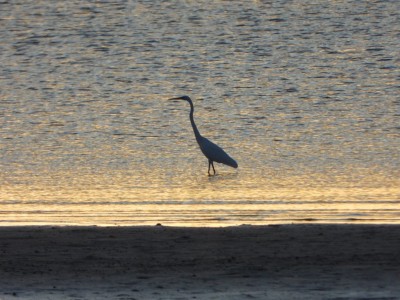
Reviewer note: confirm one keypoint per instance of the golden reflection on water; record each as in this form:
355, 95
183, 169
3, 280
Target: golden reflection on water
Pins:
87, 136
199, 200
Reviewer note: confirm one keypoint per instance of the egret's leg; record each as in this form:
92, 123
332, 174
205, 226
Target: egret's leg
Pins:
209, 165
212, 164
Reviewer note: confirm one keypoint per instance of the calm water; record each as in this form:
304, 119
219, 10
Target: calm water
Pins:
304, 95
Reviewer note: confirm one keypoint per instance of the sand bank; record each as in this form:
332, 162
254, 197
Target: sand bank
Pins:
246, 262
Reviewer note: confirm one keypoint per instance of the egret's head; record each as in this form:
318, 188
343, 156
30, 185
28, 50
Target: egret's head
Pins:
182, 98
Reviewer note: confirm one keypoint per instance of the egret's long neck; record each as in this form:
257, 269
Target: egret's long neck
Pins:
195, 130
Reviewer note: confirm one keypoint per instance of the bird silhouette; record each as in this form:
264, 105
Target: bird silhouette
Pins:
213, 152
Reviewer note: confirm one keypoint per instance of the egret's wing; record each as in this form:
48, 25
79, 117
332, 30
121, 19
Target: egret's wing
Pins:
216, 153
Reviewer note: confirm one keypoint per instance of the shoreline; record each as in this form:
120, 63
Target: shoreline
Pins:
311, 261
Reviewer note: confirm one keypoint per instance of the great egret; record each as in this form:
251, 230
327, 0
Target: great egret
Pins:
209, 149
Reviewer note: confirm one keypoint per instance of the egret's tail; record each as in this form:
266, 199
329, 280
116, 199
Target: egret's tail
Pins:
231, 162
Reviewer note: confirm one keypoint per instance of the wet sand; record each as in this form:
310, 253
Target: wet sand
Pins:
245, 262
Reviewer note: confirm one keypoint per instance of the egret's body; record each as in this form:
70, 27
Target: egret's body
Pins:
212, 151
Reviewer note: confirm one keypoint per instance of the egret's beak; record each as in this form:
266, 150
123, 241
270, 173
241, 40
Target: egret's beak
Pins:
178, 98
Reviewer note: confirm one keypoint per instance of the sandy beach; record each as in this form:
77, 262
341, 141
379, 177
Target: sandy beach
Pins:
245, 262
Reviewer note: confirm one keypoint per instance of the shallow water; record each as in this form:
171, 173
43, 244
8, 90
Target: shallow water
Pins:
305, 96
